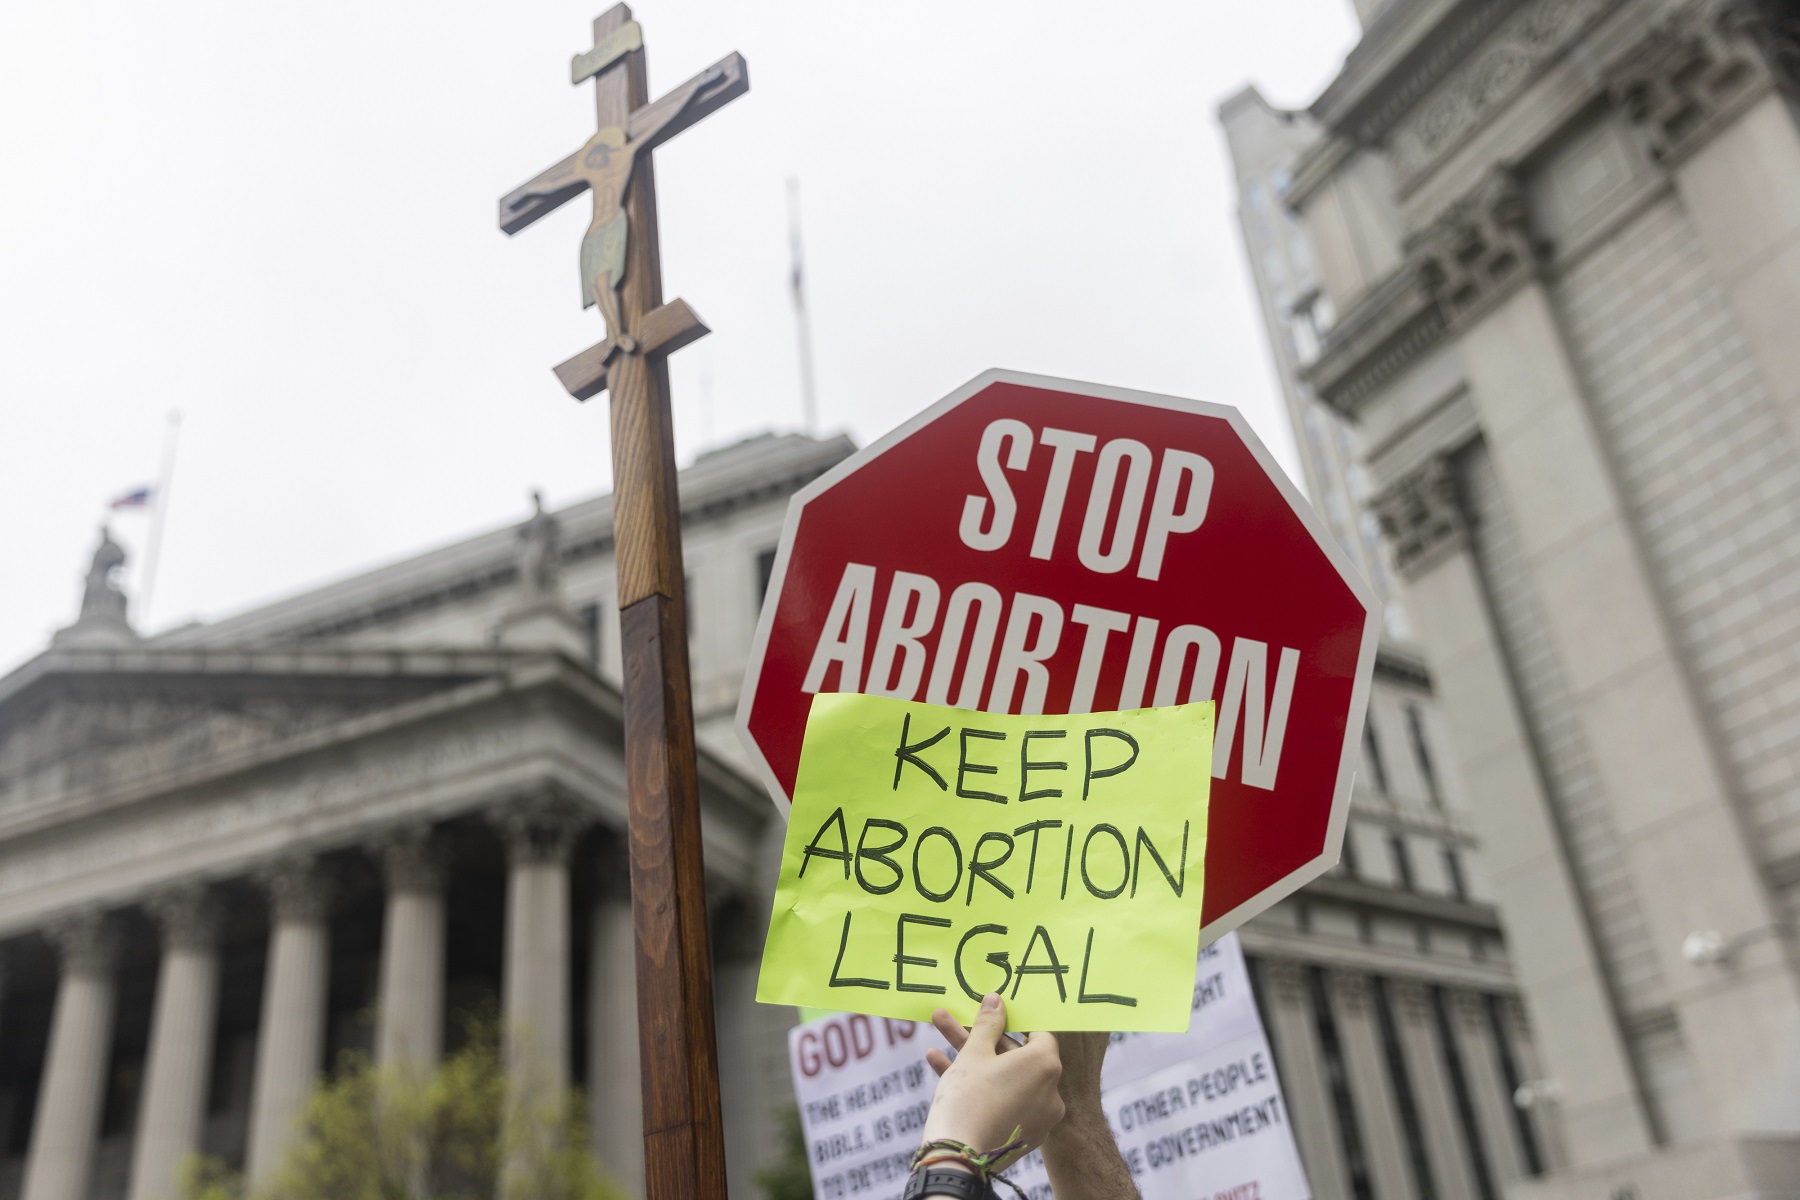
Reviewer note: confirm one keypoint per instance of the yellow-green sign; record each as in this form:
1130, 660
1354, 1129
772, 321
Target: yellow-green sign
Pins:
936, 854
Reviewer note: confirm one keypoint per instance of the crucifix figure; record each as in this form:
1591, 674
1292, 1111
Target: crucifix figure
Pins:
684, 1149
605, 166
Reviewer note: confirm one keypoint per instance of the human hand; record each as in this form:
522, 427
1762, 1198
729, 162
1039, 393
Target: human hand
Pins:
995, 1086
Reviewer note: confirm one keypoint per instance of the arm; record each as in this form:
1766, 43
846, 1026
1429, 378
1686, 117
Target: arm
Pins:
1080, 1154
988, 1099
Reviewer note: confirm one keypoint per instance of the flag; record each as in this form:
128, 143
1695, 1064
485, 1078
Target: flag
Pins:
137, 497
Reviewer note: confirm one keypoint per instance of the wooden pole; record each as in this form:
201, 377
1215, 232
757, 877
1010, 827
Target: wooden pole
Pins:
684, 1147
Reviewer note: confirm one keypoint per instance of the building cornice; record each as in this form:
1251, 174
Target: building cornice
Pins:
1395, 323
712, 488
1400, 58
1698, 67
1422, 516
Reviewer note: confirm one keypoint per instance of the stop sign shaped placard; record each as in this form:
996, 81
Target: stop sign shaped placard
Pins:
1030, 544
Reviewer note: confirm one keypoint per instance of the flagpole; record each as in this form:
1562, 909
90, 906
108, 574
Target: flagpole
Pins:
803, 321
153, 552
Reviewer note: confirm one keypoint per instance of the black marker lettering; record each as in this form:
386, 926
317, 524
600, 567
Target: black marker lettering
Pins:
903, 960
1034, 829
910, 754
1105, 772
1124, 860
997, 958
919, 877
984, 867
880, 854
812, 849
965, 768
1144, 843
1054, 968
879, 985
1081, 993
1027, 766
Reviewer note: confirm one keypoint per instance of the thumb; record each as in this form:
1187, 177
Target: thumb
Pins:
990, 1025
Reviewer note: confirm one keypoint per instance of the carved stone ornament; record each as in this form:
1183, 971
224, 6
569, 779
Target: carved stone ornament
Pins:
1478, 247
1470, 1007
1422, 515
1701, 65
1412, 999
540, 828
1494, 75
298, 890
188, 916
85, 941
412, 860
1350, 991
1287, 980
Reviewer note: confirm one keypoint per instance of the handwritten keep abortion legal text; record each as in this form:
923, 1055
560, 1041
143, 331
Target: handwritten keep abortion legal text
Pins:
936, 854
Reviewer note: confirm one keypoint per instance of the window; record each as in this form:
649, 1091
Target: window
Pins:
1415, 732
1256, 197
1403, 870
1372, 757
765, 568
1350, 853
590, 629
1453, 871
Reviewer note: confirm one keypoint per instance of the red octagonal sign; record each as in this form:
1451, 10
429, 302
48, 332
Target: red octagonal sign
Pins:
1030, 544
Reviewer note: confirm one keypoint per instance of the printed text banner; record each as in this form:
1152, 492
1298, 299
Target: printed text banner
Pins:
936, 854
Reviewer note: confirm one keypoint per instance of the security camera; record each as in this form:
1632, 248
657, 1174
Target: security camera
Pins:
1705, 948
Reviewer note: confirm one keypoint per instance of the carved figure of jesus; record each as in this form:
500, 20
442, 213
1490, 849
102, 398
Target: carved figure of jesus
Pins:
606, 164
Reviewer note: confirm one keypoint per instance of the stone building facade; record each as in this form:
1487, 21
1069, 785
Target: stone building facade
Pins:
223, 848
1442, 1153
1559, 250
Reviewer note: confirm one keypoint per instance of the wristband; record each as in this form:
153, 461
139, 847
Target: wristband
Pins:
958, 1185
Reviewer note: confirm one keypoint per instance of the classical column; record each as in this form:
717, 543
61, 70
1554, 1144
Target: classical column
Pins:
1549, 940
1543, 1110
290, 1044
410, 1029
615, 1086
1451, 1168
181, 1043
1492, 1099
1633, 695
1376, 1110
1303, 1080
60, 1159
540, 832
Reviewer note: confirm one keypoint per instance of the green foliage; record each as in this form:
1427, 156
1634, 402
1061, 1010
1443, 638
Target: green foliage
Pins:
371, 1133
788, 1177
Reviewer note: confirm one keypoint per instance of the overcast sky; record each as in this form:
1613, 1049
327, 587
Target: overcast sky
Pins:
280, 221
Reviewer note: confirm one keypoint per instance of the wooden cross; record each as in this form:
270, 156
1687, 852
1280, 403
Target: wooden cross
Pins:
684, 1149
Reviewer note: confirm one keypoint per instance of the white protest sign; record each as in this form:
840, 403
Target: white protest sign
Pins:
1197, 1115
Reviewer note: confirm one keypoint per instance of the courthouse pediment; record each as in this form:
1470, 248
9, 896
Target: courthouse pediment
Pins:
83, 722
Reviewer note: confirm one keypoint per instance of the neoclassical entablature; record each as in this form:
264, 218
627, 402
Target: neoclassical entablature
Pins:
125, 772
